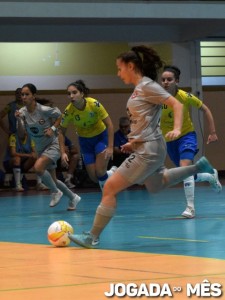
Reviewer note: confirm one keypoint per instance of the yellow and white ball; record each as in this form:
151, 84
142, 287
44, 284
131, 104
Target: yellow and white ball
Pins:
58, 233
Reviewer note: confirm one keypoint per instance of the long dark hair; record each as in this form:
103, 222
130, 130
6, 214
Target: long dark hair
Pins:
173, 69
31, 87
145, 59
45, 102
80, 85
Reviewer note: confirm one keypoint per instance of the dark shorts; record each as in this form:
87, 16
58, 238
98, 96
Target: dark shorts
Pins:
8, 165
183, 148
92, 146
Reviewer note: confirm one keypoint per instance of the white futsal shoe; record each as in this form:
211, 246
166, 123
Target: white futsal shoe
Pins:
189, 212
55, 198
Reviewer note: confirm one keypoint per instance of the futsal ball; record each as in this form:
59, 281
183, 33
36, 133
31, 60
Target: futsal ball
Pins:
58, 233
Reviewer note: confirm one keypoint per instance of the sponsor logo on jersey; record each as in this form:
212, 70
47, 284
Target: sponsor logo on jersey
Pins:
34, 130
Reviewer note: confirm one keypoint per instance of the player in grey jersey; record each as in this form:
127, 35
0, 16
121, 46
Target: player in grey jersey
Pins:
146, 144
41, 123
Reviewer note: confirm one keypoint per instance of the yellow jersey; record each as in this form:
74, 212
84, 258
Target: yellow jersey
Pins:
88, 122
167, 117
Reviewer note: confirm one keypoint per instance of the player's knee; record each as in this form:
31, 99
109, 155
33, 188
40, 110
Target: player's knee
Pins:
109, 189
105, 210
38, 169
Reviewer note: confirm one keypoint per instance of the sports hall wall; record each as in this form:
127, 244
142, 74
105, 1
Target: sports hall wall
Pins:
53, 67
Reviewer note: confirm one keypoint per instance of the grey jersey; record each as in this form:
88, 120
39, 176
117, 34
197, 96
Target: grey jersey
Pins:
36, 122
144, 109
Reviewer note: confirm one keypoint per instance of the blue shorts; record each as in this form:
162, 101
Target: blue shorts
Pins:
92, 146
183, 148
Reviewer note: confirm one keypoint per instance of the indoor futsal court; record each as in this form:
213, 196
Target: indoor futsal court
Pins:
147, 242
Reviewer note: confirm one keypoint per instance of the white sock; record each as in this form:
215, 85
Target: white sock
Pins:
102, 183
111, 171
38, 180
189, 190
17, 174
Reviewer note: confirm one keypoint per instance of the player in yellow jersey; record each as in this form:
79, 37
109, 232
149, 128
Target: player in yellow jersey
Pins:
94, 129
183, 149
20, 157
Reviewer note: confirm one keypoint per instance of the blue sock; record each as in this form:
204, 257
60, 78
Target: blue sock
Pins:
103, 178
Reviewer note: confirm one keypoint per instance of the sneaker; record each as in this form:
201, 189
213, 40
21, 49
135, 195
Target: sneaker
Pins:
95, 241
204, 166
85, 240
111, 171
69, 184
73, 203
41, 187
189, 212
19, 188
55, 198
214, 182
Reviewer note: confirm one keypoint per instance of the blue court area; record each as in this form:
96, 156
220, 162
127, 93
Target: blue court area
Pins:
143, 222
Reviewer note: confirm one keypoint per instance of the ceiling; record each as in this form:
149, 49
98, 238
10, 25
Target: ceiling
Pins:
111, 21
